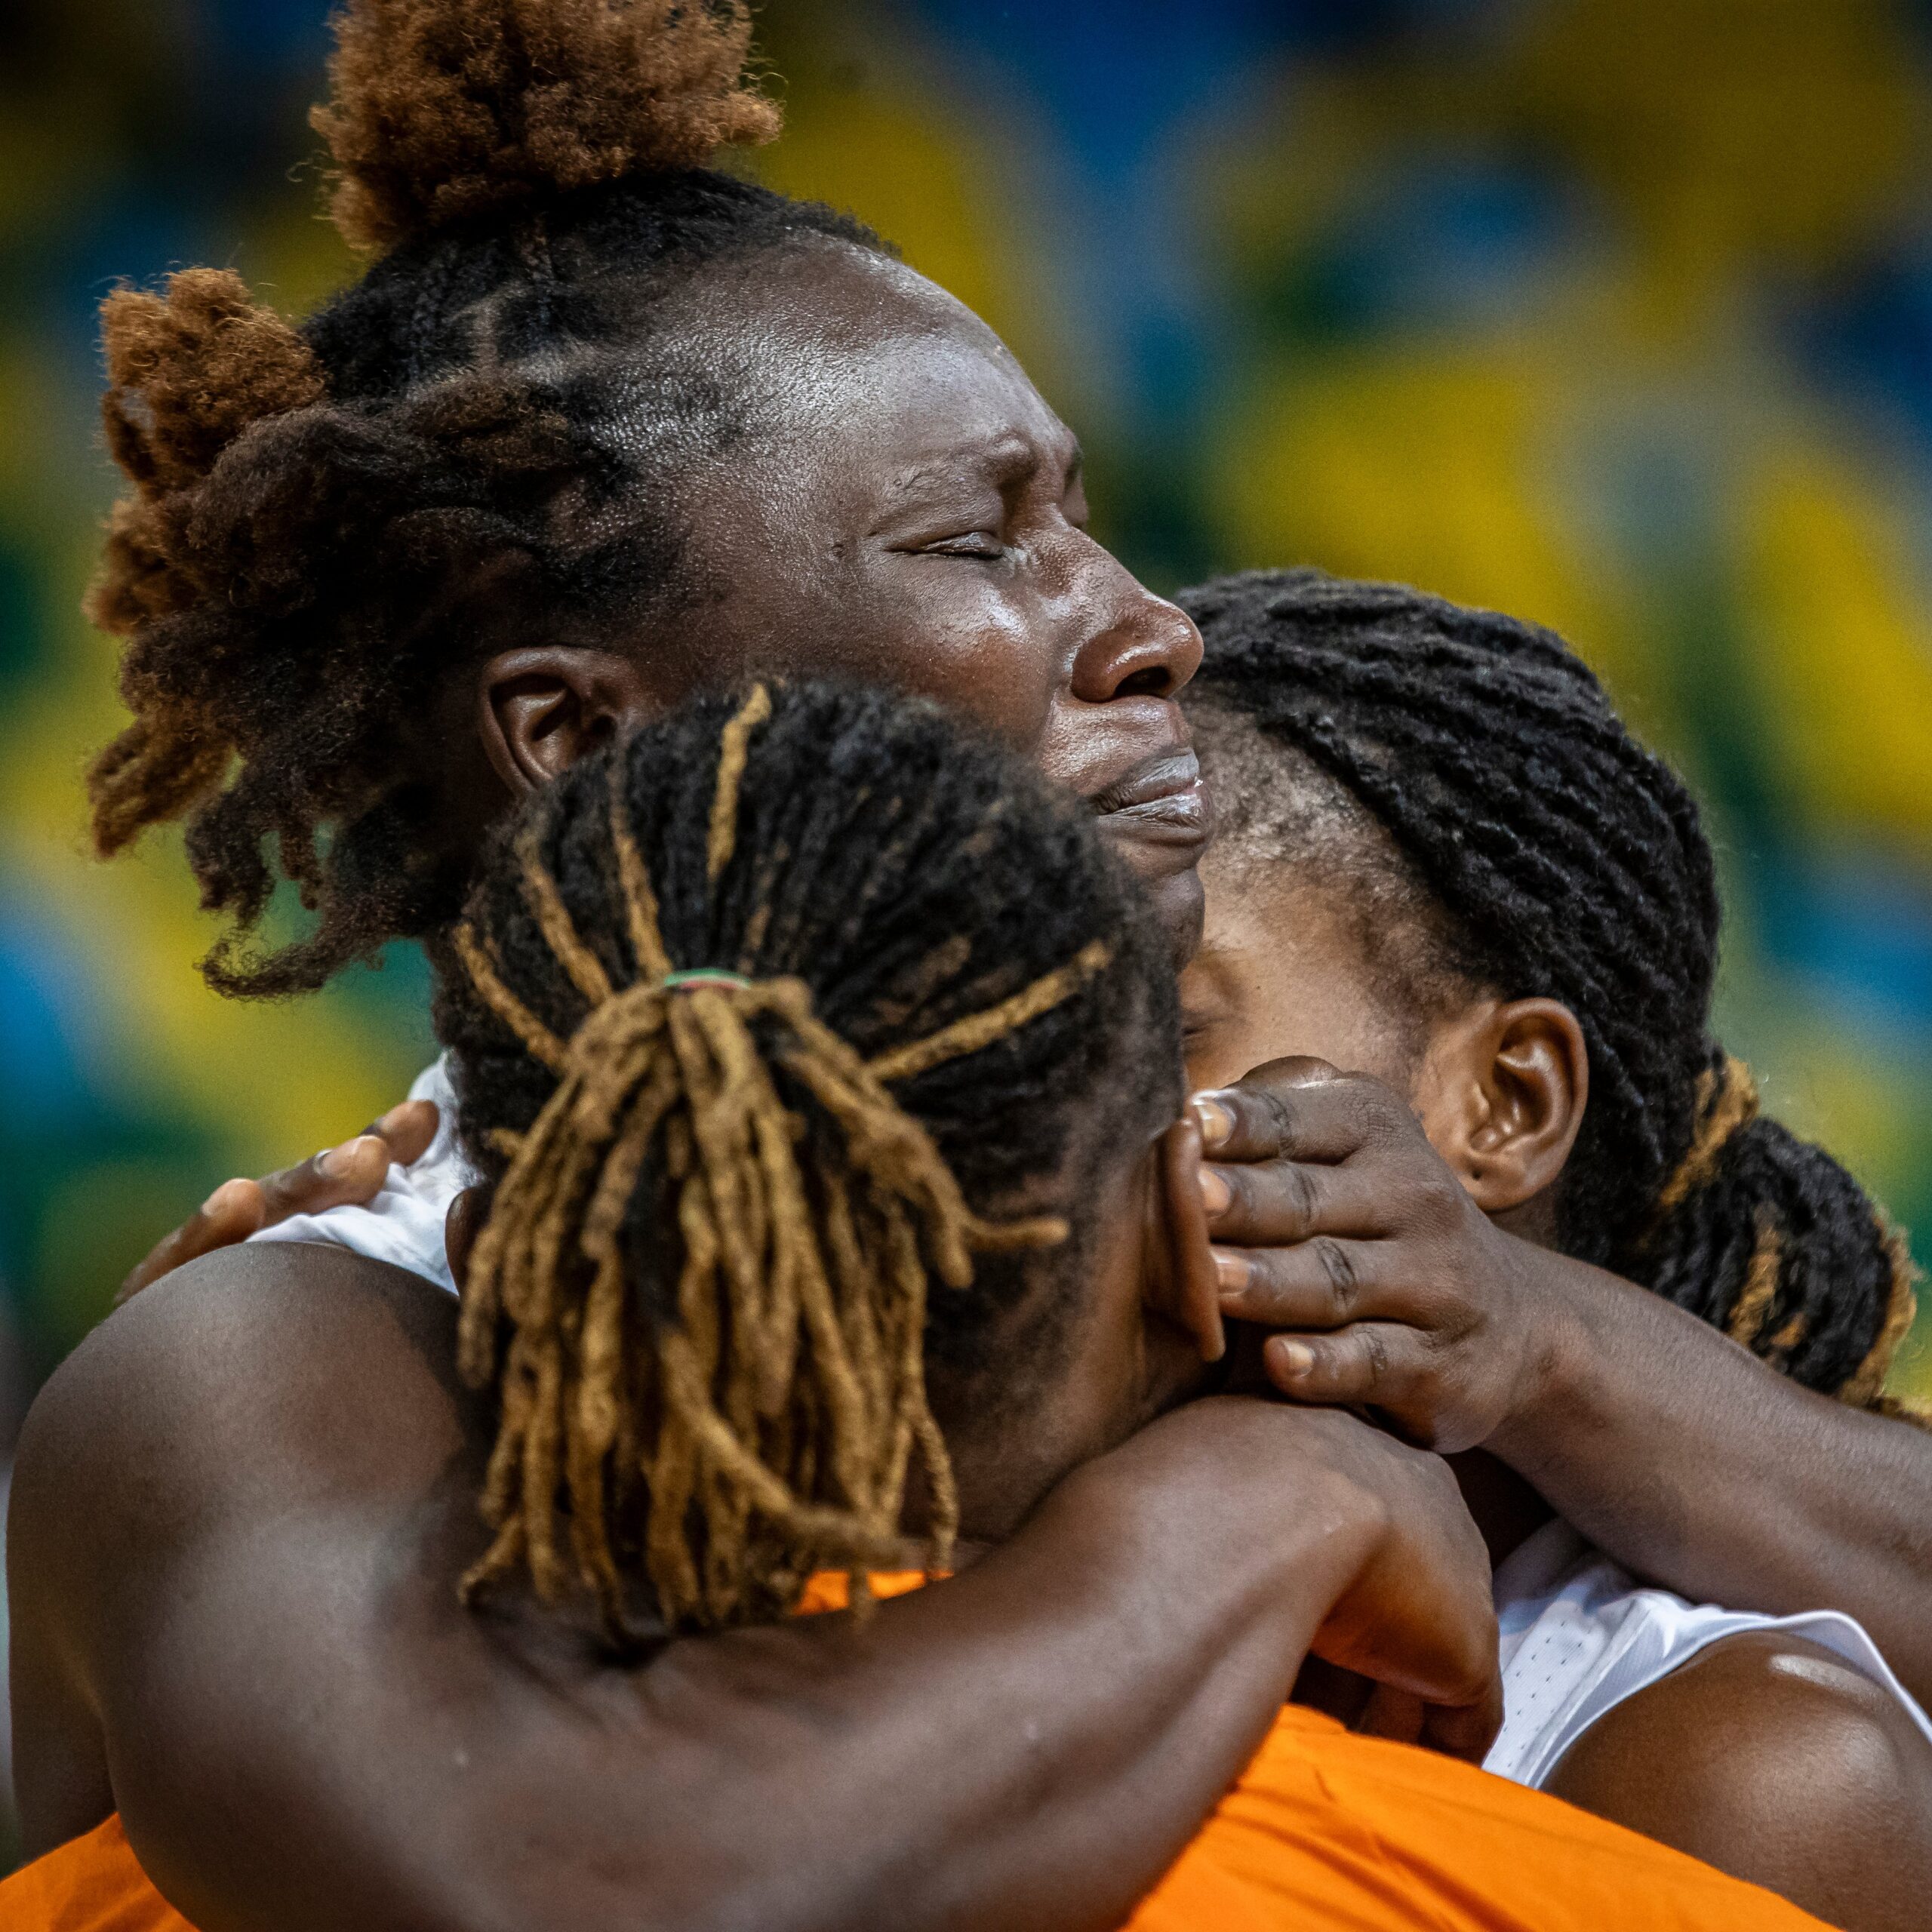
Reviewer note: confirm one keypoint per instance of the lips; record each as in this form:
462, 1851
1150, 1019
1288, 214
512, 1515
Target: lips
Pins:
1162, 801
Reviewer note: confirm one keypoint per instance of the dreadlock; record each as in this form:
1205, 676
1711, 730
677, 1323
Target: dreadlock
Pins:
324, 521
757, 1021
1532, 847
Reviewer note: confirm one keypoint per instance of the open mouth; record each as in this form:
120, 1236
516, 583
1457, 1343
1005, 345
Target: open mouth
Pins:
1163, 800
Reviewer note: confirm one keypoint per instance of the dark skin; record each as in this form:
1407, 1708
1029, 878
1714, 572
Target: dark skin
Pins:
1775, 1760
266, 1477
269, 1436
1648, 1430
906, 511
1799, 1775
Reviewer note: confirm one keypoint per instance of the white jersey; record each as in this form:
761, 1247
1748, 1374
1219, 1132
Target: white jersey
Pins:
1579, 1635
404, 1223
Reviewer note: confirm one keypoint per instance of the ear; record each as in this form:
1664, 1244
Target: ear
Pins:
461, 1225
1502, 1097
541, 709
1180, 1279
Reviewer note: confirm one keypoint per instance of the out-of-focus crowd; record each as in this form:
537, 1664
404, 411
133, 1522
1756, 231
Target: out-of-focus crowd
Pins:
1614, 313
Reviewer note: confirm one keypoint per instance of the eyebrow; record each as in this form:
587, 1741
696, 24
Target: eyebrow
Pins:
1008, 460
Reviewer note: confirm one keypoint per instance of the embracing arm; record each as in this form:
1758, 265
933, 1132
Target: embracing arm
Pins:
1666, 1444
1688, 1460
240, 1513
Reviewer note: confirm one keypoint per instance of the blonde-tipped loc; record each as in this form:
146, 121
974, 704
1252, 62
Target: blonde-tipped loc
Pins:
766, 1425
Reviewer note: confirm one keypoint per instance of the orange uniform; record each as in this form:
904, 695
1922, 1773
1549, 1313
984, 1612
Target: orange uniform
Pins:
1325, 1830
95, 1884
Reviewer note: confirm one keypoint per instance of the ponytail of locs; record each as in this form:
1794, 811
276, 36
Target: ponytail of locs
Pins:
732, 1136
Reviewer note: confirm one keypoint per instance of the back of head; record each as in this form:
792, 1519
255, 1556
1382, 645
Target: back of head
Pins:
759, 1020
1548, 853
325, 520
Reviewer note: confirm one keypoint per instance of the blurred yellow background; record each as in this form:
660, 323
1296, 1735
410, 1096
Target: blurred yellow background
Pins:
1614, 313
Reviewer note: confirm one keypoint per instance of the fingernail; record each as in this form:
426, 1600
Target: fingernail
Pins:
1231, 1271
1217, 1124
1215, 1191
338, 1160
1294, 1359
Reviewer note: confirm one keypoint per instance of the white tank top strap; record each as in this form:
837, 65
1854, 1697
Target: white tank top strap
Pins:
1580, 1635
404, 1223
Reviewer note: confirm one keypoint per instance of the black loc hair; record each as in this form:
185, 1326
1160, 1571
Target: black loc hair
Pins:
757, 1020
1561, 859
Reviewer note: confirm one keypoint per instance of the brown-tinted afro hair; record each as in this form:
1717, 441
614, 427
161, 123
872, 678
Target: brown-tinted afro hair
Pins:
326, 520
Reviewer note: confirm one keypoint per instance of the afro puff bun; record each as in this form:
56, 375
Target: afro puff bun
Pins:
444, 111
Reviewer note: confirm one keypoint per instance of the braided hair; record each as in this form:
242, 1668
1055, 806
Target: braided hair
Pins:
757, 1020
324, 522
1537, 849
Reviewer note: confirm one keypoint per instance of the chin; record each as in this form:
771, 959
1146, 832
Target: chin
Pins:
1181, 903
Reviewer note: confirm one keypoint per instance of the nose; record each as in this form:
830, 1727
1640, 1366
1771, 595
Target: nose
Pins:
1148, 648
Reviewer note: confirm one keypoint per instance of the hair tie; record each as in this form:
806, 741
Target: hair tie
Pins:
705, 976
771, 1397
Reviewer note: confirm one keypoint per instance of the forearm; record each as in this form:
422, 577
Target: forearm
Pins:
1028, 1746
1031, 1745
1689, 1462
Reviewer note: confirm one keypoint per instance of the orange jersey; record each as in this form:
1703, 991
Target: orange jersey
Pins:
1324, 1830
95, 1884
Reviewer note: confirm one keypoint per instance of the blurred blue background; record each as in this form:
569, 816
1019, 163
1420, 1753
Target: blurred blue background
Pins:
1615, 313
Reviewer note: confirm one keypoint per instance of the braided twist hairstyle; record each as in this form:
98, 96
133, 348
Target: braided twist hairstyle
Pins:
1547, 853
758, 1020
325, 520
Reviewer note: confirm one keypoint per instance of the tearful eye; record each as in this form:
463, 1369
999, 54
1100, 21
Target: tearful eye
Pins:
979, 543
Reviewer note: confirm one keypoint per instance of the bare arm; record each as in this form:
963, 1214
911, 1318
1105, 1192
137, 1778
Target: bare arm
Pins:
1778, 1763
1666, 1444
1689, 1460
239, 1514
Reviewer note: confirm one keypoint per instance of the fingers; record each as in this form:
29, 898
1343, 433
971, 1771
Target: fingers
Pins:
1464, 1730
461, 1225
1191, 1296
230, 1214
409, 1129
1272, 1203
1374, 1364
1457, 1731
1298, 1110
346, 1176
1322, 1283
349, 1175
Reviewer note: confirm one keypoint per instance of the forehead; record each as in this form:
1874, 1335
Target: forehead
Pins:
825, 355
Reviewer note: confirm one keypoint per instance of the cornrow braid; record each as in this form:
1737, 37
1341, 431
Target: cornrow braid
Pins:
748, 1071
327, 522
1544, 851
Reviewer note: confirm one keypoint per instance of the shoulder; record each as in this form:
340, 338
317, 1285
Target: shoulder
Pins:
248, 1379
245, 1347
1774, 1759
226, 1406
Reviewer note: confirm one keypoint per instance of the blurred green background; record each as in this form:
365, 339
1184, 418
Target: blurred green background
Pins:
1615, 313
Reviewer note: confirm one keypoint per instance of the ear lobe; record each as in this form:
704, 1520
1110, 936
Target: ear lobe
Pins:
541, 709
1182, 1286
1530, 1081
